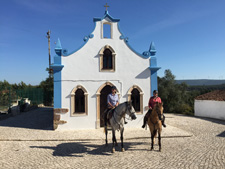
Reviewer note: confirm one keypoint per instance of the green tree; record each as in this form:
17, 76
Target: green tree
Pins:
4, 85
173, 95
22, 85
47, 86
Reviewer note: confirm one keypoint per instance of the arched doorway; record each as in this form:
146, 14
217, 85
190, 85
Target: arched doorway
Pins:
103, 102
101, 96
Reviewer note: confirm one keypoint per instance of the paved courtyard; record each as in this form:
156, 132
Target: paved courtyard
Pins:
27, 141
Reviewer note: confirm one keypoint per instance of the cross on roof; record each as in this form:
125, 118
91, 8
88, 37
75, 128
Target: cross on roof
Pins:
106, 5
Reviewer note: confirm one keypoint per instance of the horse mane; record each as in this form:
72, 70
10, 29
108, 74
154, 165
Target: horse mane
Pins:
129, 104
158, 106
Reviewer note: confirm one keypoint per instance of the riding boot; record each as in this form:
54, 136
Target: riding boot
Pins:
125, 121
105, 118
146, 118
163, 121
145, 121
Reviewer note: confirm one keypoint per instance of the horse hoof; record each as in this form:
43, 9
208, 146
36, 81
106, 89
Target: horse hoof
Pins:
113, 150
151, 149
160, 150
122, 149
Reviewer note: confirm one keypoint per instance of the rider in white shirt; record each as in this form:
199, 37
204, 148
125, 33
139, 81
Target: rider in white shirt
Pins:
112, 103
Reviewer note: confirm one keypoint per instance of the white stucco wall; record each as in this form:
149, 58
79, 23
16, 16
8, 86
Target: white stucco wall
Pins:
83, 68
209, 108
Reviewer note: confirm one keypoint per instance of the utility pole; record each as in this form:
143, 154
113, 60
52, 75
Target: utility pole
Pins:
49, 69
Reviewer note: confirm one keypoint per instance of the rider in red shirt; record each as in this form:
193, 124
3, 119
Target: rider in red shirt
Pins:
152, 101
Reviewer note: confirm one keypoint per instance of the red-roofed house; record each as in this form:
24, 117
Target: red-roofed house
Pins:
211, 105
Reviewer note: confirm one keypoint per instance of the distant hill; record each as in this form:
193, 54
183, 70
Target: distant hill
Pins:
201, 82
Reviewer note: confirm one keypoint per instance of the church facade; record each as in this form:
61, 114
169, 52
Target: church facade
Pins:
83, 78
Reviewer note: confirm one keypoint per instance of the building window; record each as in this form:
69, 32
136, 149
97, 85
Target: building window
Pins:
79, 101
107, 31
136, 95
107, 59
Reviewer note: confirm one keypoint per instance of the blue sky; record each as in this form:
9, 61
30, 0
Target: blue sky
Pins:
189, 35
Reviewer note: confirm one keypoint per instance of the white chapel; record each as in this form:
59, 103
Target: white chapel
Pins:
83, 78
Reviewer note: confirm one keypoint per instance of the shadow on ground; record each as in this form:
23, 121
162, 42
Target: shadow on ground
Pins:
40, 118
80, 149
221, 134
217, 121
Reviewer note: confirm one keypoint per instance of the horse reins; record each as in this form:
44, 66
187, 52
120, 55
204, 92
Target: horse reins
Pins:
157, 120
120, 116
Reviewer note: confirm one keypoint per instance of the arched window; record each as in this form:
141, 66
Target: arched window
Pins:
135, 97
107, 59
79, 101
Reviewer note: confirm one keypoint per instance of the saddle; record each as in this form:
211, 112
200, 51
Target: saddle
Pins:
110, 114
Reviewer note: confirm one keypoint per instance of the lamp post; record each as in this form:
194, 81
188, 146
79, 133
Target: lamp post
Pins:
49, 53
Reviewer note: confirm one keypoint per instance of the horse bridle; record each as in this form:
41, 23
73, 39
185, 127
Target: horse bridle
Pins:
159, 115
131, 113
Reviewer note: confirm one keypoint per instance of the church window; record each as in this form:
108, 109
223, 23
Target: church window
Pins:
79, 101
107, 31
107, 59
135, 94
135, 97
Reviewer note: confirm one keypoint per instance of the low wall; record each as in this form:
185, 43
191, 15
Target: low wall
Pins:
209, 108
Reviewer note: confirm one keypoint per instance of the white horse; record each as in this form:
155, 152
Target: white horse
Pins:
117, 122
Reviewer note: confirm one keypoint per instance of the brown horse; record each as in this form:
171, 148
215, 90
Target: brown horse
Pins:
155, 124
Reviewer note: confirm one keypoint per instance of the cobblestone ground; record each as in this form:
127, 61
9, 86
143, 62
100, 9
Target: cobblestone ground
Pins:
188, 142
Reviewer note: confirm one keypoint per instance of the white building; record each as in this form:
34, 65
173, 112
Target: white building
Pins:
211, 105
83, 78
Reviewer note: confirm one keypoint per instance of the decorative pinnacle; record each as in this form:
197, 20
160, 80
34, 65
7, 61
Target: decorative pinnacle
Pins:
58, 44
152, 49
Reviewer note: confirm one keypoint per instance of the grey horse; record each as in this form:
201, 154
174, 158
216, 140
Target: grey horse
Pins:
117, 122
